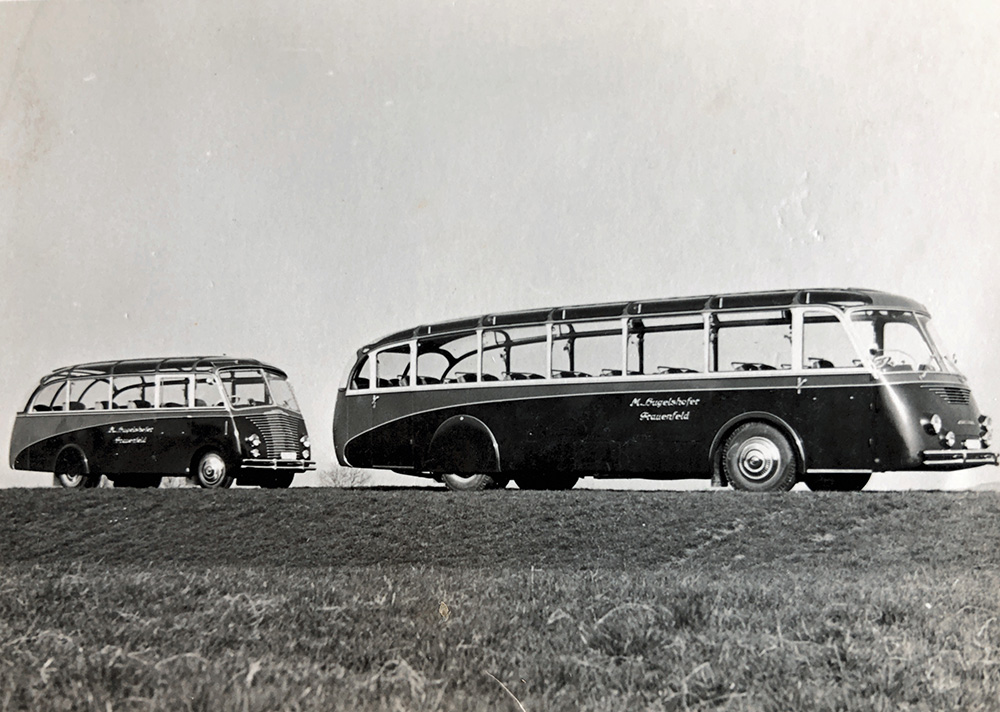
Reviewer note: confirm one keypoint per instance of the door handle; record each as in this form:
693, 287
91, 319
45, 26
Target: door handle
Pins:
374, 401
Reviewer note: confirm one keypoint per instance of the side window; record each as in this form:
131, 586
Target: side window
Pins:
825, 343
392, 367
207, 393
359, 377
133, 392
50, 397
89, 394
587, 349
245, 388
438, 360
514, 354
754, 341
175, 392
666, 345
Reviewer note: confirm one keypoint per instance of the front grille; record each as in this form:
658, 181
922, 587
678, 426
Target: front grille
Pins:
280, 431
955, 395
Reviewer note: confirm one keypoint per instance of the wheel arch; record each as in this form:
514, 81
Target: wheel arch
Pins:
462, 443
72, 450
715, 452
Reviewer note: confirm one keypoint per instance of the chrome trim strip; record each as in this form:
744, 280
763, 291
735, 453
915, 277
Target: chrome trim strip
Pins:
831, 471
958, 457
280, 464
657, 378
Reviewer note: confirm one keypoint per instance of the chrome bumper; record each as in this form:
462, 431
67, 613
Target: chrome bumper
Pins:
263, 464
958, 458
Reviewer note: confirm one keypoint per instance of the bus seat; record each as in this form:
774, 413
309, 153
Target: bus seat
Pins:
462, 378
820, 363
141, 404
103, 405
427, 381
199, 403
171, 405
490, 377
77, 405
41, 408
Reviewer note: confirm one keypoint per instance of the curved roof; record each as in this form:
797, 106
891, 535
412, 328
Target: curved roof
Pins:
840, 298
174, 364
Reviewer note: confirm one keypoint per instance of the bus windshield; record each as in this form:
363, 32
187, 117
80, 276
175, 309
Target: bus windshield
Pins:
281, 392
898, 340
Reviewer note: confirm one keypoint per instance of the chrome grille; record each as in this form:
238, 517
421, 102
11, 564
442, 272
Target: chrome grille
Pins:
955, 395
280, 432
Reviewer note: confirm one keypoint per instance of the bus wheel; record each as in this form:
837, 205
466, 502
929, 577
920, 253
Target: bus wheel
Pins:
212, 472
282, 481
758, 458
471, 483
852, 482
72, 472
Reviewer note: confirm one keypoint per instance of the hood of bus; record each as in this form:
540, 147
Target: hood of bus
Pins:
273, 433
914, 399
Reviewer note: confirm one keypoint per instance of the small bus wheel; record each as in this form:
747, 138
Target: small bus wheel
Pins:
72, 472
212, 472
758, 458
472, 483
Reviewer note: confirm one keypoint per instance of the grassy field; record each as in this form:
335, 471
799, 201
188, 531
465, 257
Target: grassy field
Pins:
329, 599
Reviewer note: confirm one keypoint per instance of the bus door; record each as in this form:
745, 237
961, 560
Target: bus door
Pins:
380, 417
835, 397
174, 398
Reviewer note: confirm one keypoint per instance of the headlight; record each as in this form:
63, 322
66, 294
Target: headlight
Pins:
305, 454
949, 439
985, 423
932, 424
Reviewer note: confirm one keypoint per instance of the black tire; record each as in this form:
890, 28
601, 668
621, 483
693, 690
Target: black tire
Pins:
282, 480
758, 458
472, 483
851, 482
71, 472
212, 471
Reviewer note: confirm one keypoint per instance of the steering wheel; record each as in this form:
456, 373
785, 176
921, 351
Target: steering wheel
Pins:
893, 357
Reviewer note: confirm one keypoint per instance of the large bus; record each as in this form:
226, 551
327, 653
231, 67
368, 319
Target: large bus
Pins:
214, 420
753, 390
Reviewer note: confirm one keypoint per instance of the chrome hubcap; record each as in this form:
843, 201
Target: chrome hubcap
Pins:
758, 459
212, 470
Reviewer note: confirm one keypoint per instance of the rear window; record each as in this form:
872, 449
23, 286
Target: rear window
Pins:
49, 398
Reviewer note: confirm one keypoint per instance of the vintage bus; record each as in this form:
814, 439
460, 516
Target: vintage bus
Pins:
214, 420
755, 390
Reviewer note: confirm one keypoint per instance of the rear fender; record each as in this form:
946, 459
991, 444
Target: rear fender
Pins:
462, 444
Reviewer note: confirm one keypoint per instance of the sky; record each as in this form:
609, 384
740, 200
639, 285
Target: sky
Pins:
288, 181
